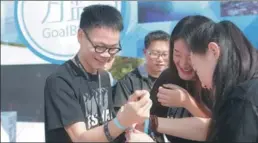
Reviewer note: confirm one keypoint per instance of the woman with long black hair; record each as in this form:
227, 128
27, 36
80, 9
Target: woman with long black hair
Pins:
177, 93
226, 64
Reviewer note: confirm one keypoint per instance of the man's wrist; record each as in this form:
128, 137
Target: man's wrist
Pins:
118, 124
123, 122
107, 132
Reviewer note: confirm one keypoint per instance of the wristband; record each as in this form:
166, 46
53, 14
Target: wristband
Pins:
117, 123
107, 133
146, 126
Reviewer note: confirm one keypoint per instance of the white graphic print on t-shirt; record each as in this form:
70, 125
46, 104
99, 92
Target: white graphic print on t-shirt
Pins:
99, 97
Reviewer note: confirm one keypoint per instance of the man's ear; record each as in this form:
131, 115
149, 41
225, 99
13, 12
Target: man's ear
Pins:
214, 49
79, 35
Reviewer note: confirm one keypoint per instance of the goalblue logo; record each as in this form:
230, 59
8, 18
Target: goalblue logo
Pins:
49, 28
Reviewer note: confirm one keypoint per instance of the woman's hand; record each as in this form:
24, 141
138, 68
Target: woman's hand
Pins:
136, 110
137, 136
171, 95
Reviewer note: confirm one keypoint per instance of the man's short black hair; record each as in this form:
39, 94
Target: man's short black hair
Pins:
101, 16
158, 35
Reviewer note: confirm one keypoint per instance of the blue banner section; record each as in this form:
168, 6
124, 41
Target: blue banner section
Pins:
142, 17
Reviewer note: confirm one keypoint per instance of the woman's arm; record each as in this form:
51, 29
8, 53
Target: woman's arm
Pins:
193, 128
171, 95
196, 109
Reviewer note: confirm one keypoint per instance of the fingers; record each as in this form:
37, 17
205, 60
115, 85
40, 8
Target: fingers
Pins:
171, 86
163, 96
165, 91
165, 104
146, 107
170, 92
127, 134
138, 136
138, 94
121, 109
162, 100
130, 135
143, 101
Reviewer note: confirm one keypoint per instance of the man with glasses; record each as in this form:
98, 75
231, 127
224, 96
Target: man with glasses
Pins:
78, 96
156, 53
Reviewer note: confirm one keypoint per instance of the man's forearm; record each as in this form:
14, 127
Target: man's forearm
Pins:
97, 134
193, 128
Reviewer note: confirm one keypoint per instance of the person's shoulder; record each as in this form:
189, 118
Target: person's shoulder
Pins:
132, 75
169, 76
166, 73
250, 88
247, 90
249, 85
64, 71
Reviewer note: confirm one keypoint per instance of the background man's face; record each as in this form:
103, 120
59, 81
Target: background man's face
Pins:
157, 55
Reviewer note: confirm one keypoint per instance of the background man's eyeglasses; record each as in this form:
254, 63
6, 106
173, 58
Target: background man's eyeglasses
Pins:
102, 49
155, 54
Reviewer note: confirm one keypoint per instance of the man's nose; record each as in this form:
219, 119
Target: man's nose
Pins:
159, 58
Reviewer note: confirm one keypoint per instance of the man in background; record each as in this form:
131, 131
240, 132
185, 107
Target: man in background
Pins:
156, 52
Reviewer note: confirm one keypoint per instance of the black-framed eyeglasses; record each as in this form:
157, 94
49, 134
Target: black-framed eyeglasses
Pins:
102, 49
156, 54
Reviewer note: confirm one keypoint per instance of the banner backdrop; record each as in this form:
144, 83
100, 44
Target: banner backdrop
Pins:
48, 28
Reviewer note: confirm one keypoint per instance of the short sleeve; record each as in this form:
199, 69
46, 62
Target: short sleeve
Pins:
62, 107
122, 91
165, 78
238, 122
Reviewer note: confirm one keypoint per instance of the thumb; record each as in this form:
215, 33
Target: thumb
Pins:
121, 109
137, 95
171, 86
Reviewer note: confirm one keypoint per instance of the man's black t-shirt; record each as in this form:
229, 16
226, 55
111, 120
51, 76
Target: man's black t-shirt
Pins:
71, 97
152, 79
237, 119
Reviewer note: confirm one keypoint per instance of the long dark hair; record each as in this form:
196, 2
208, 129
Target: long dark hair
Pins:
237, 62
170, 75
181, 31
